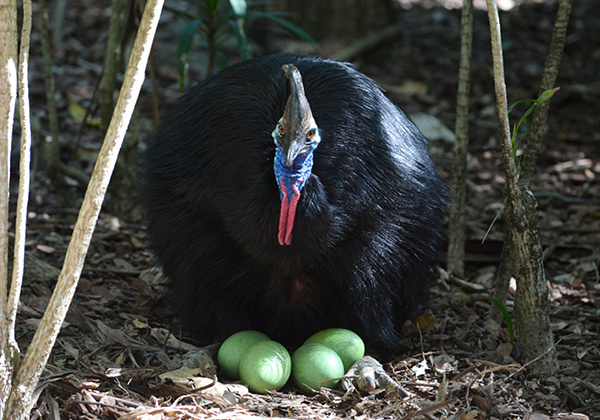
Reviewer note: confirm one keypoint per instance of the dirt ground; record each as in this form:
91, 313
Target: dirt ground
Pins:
114, 343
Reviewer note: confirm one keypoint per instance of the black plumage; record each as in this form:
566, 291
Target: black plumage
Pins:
369, 220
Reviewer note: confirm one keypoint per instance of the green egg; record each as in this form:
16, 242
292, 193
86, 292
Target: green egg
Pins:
232, 350
347, 344
314, 363
265, 366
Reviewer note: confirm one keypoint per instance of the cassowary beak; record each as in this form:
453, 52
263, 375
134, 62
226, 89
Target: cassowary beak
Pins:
296, 136
294, 149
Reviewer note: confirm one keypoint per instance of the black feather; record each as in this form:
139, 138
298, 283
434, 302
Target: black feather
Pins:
369, 222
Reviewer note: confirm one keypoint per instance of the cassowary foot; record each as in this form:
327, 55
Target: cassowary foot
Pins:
203, 358
367, 375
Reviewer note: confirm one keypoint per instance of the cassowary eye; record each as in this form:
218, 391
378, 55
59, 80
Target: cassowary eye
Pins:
310, 134
281, 130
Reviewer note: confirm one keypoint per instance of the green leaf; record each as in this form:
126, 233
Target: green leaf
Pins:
522, 101
185, 45
288, 26
547, 94
506, 315
534, 103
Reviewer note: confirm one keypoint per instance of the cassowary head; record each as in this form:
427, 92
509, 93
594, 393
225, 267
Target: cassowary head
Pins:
296, 136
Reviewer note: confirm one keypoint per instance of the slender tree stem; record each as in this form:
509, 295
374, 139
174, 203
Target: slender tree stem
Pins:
108, 82
8, 97
501, 98
520, 212
24, 176
534, 140
456, 247
540, 114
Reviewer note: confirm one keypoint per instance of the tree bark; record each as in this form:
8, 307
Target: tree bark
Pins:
533, 322
502, 282
531, 300
122, 198
122, 194
108, 82
8, 96
24, 178
456, 230
20, 400
540, 114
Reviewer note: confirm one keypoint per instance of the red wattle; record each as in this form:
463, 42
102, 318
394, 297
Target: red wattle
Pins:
287, 214
283, 213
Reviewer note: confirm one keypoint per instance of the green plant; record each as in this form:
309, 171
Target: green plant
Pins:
217, 24
534, 103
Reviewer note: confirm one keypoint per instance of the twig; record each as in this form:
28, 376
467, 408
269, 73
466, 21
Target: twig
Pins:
495, 366
98, 403
120, 400
548, 350
463, 373
429, 409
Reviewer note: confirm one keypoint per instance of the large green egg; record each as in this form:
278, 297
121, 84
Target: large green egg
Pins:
347, 344
232, 350
314, 363
265, 366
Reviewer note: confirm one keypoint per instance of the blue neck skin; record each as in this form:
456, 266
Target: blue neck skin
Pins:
294, 176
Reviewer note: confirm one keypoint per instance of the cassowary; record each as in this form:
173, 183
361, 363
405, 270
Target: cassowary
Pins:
287, 194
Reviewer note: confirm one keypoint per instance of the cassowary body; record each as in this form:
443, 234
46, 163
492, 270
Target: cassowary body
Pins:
326, 212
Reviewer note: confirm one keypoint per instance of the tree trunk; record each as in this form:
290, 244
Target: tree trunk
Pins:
531, 301
8, 96
24, 178
456, 231
108, 81
122, 196
540, 115
502, 282
533, 322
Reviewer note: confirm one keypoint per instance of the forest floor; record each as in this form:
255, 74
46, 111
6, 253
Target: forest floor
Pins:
113, 345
